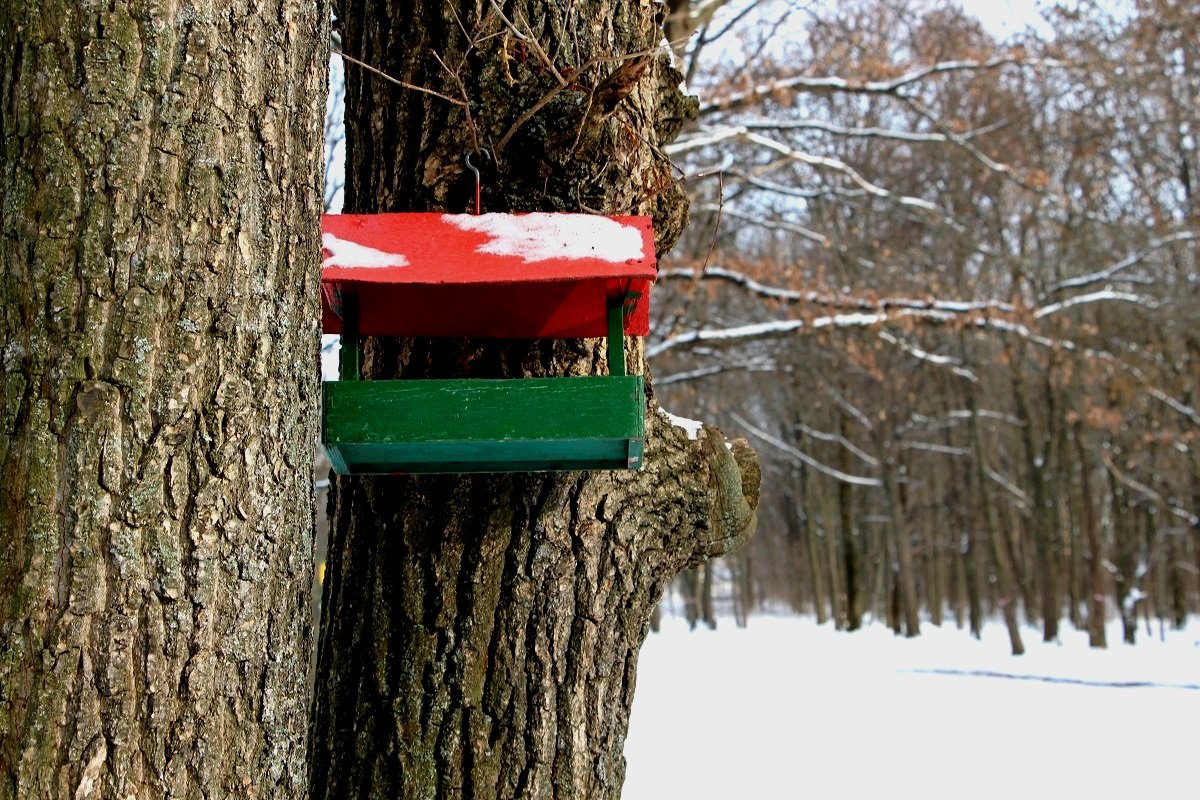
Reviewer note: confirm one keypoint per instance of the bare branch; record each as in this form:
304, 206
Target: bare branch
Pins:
400, 83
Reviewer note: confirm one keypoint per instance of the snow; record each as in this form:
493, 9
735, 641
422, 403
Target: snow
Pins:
789, 709
690, 425
345, 253
547, 237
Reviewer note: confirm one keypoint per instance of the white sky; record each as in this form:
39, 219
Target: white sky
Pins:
1003, 18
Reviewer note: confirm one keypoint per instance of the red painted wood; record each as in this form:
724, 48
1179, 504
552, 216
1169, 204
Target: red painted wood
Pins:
425, 275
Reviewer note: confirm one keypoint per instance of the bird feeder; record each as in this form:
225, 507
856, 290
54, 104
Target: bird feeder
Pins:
493, 276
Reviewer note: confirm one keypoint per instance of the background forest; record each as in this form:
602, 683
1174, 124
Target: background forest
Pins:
949, 287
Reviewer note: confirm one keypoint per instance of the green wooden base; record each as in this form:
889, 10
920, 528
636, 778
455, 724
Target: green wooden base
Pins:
455, 426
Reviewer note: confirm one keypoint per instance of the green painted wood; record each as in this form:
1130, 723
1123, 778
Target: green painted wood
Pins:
616, 336
349, 367
517, 425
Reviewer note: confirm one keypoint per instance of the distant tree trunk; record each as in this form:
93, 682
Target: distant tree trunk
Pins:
812, 551
742, 569
1124, 554
1095, 558
1038, 462
1005, 574
802, 579
689, 585
831, 526
904, 570
480, 633
708, 613
160, 175
851, 541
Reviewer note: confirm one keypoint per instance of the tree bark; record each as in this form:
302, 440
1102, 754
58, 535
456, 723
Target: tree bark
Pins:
159, 169
480, 633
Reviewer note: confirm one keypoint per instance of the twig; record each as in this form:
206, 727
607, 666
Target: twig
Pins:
550, 95
712, 245
411, 87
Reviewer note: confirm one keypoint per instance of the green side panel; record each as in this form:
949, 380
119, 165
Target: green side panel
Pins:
457, 426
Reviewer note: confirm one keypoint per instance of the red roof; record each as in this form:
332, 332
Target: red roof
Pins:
535, 275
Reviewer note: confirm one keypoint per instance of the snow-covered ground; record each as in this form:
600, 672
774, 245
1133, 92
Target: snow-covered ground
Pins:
788, 709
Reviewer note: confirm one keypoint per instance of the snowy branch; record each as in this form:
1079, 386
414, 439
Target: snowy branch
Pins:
1148, 493
812, 84
1124, 264
932, 358
839, 439
831, 301
800, 455
1094, 297
1019, 496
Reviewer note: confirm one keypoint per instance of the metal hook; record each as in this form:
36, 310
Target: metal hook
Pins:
475, 169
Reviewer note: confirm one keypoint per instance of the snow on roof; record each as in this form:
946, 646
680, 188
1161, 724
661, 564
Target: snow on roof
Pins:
547, 237
345, 253
461, 249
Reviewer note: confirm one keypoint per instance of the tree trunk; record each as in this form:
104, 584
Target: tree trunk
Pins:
1097, 636
851, 539
906, 584
813, 553
160, 239
480, 633
1039, 461
1005, 573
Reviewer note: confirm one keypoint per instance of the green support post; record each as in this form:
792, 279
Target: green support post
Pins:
616, 336
348, 363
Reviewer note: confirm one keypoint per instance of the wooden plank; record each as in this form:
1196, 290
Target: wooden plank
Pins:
529, 424
548, 310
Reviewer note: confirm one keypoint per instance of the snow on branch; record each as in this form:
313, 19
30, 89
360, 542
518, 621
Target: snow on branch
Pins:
760, 364
1148, 493
1094, 297
954, 364
830, 301
852, 133
758, 182
839, 439
761, 330
800, 455
742, 133
830, 84
941, 449
1124, 264
1019, 496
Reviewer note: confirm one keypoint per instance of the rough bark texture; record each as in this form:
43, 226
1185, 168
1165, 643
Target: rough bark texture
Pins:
161, 189
480, 633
